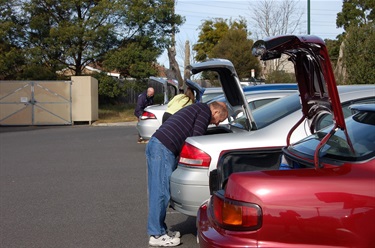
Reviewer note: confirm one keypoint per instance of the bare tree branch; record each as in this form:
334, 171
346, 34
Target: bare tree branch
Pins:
273, 18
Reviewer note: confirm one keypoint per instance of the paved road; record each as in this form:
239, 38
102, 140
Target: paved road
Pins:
76, 186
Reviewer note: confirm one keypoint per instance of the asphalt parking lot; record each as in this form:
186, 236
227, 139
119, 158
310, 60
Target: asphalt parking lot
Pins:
76, 186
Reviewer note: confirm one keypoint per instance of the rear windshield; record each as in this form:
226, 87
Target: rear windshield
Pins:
361, 132
272, 112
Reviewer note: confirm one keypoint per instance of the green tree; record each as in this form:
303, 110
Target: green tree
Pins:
221, 38
212, 31
69, 33
280, 77
235, 47
357, 19
109, 88
134, 58
155, 24
355, 13
359, 59
333, 47
72, 34
11, 55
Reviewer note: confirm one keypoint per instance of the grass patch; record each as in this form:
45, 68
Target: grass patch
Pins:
116, 113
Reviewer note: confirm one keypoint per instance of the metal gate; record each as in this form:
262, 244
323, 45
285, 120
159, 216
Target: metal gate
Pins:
35, 103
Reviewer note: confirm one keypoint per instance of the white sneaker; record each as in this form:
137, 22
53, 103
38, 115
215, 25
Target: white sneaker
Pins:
175, 234
164, 240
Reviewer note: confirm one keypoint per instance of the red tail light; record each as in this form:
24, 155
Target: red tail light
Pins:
147, 115
192, 156
235, 215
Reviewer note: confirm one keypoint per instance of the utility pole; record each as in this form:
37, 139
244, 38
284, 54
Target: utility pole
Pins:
308, 16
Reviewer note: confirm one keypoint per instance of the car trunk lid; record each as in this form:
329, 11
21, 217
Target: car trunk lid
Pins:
170, 87
230, 83
314, 74
199, 90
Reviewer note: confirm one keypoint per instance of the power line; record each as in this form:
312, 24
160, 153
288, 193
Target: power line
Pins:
319, 17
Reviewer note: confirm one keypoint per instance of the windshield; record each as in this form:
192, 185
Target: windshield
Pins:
271, 112
361, 131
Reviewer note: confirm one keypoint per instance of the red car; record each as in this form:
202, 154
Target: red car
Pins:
323, 194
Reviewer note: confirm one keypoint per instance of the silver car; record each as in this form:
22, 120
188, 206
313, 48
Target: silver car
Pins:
151, 118
267, 126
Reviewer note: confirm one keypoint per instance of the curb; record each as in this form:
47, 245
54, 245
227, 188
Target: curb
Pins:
117, 124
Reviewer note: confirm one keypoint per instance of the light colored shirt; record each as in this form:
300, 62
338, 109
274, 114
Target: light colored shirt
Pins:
178, 102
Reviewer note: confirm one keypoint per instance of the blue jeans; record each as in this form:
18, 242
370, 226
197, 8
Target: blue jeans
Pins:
161, 162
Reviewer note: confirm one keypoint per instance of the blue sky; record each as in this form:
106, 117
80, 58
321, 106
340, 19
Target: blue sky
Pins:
322, 18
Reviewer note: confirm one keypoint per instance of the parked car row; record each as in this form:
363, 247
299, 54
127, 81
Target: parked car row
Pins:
269, 131
152, 116
303, 175
260, 147
291, 167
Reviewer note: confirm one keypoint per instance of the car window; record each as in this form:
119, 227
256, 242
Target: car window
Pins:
326, 119
254, 105
209, 96
361, 132
271, 112
259, 103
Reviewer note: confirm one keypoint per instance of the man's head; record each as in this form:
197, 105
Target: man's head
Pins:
219, 112
150, 92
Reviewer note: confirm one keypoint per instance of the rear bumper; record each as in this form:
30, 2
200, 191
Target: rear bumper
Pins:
146, 128
189, 189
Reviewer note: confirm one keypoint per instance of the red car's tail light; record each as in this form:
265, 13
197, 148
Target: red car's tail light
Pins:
147, 115
192, 156
235, 215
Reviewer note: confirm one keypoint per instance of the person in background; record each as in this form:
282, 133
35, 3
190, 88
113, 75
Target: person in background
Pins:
178, 102
162, 151
145, 99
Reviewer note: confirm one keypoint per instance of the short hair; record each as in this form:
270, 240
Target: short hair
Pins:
221, 106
